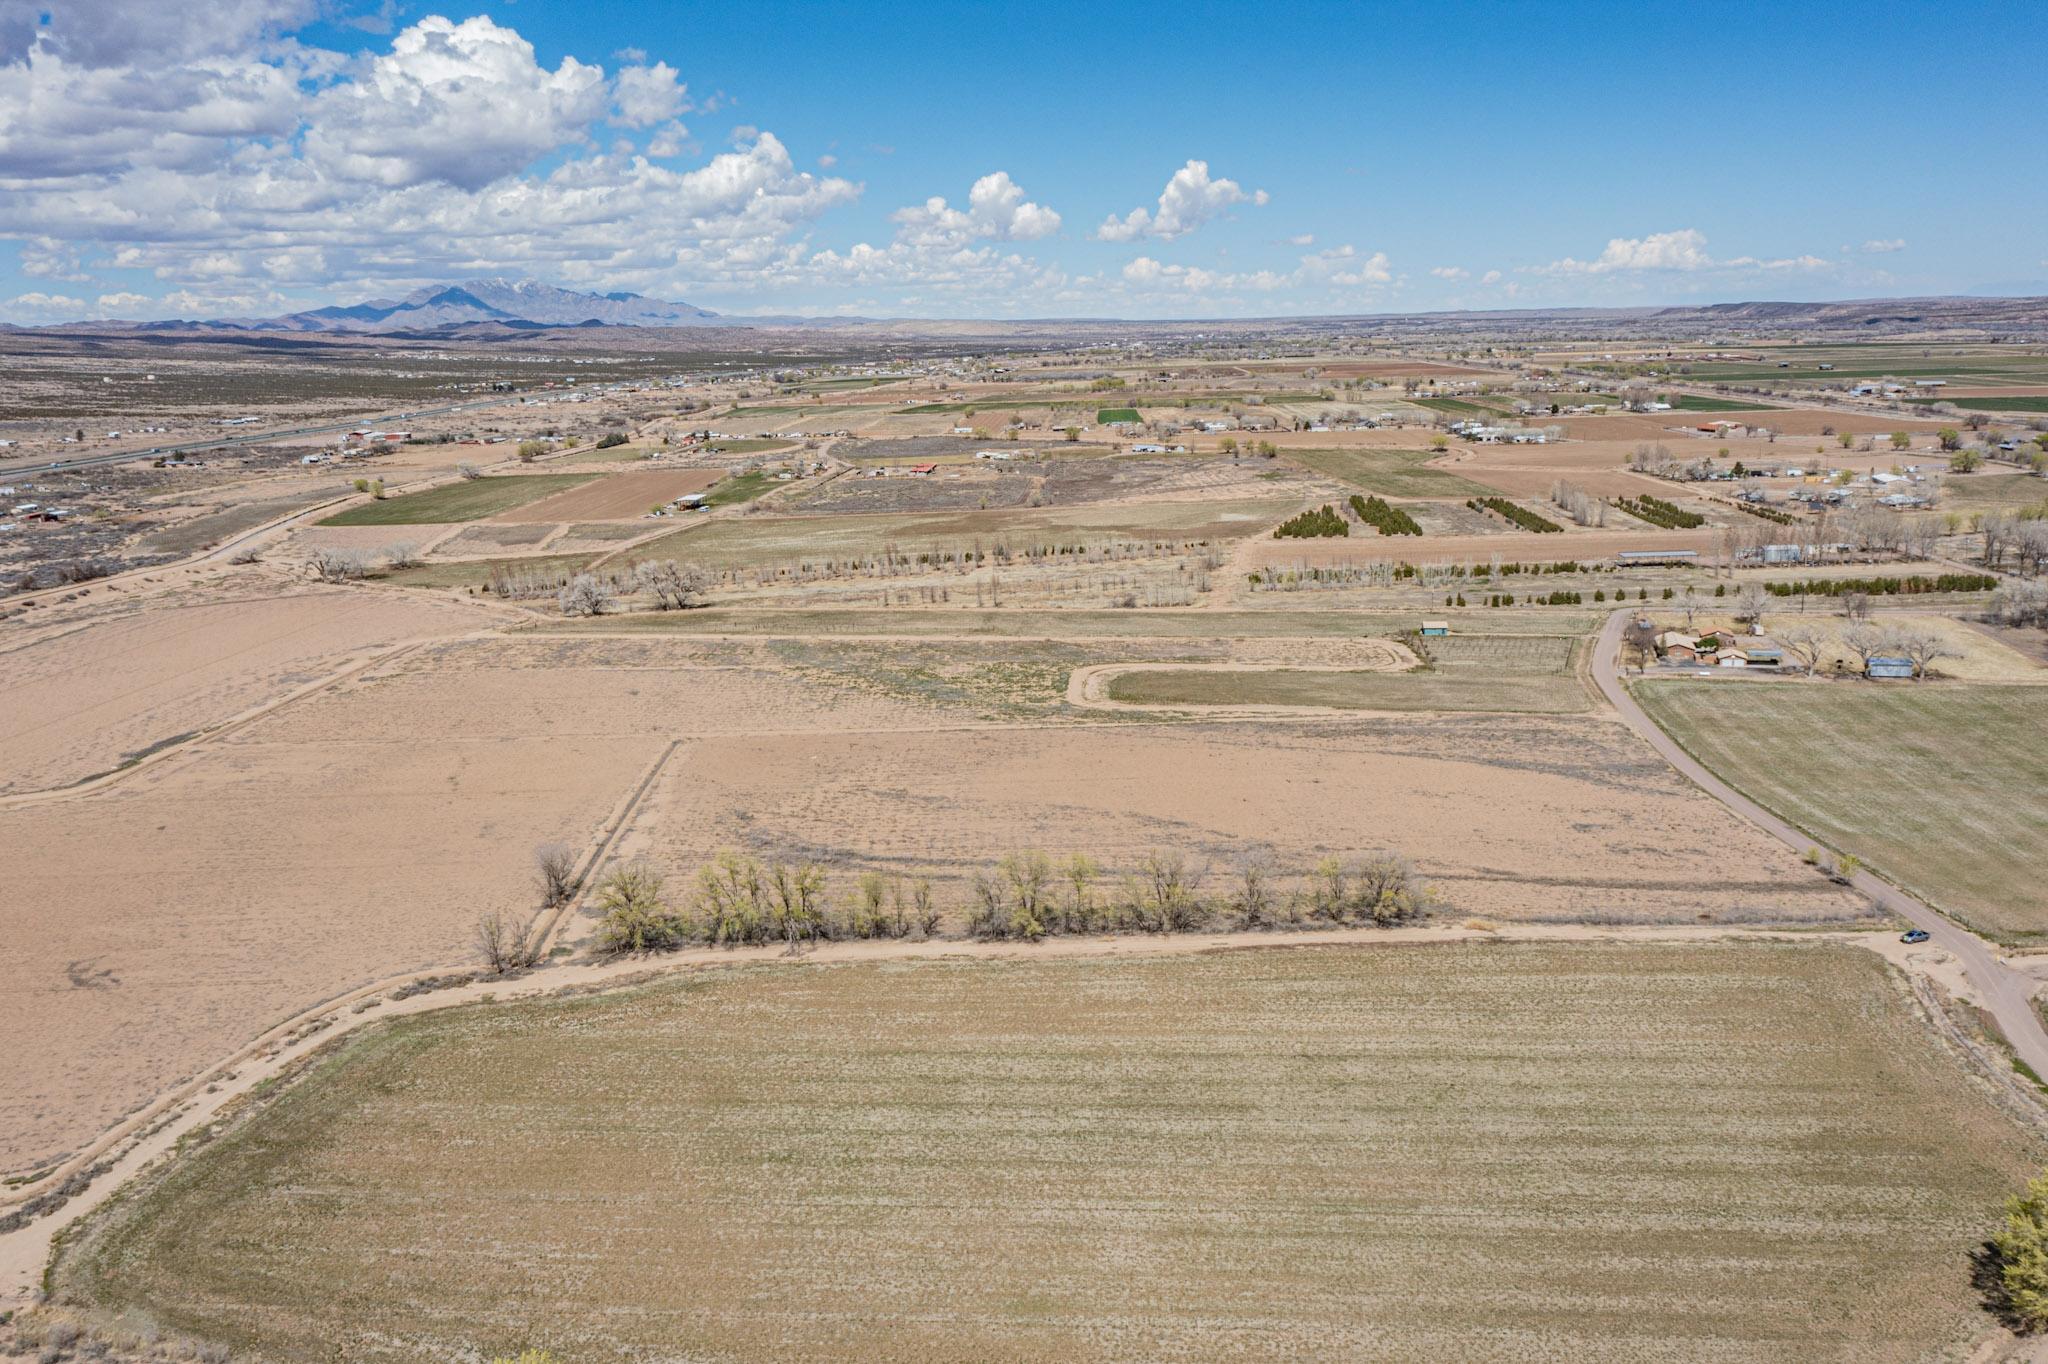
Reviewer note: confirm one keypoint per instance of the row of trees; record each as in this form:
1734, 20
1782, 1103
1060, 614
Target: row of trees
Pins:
2022, 536
1389, 519
1519, 515
1026, 895
1583, 508
1309, 525
671, 586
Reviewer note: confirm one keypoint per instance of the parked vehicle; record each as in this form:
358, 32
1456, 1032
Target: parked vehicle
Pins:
1914, 935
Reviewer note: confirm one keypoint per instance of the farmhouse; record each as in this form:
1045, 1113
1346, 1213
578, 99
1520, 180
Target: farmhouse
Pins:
1680, 648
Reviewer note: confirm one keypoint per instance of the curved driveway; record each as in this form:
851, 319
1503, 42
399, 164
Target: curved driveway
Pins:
2005, 992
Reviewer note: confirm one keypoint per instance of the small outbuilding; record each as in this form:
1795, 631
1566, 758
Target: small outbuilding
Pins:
1889, 667
1435, 627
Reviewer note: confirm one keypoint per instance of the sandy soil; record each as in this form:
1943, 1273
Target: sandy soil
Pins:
1520, 819
614, 497
157, 925
82, 703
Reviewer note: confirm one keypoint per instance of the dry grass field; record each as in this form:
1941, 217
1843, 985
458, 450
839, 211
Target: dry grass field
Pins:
1584, 1152
1940, 787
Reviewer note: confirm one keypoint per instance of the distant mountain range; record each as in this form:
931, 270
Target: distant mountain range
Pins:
487, 303
499, 310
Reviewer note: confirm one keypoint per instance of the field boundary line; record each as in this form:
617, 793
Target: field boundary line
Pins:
231, 725
550, 922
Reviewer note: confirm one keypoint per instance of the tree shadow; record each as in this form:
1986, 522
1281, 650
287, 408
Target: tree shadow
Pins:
1988, 1280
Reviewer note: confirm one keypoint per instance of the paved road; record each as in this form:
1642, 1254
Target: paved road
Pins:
2005, 992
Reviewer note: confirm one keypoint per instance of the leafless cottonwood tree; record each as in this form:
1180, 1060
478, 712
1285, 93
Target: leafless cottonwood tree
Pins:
1867, 641
673, 586
1924, 647
1804, 642
340, 565
585, 595
554, 866
506, 943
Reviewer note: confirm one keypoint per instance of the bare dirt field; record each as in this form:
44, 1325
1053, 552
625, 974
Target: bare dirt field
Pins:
157, 925
1588, 1152
84, 702
1478, 802
614, 497
768, 539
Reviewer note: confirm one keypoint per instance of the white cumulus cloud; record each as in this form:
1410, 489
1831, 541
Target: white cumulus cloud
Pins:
1452, 272
461, 103
1682, 252
643, 96
1190, 199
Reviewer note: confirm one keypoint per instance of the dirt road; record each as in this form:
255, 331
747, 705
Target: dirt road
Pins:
2004, 990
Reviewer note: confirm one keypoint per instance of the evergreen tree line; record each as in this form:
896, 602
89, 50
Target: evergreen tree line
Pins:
1658, 512
1389, 519
1521, 516
1310, 525
1918, 585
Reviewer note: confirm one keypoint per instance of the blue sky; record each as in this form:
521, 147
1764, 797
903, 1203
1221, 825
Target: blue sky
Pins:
250, 156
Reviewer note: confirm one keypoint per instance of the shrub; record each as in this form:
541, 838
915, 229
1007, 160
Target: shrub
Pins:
2019, 1252
468, 470
531, 450
611, 441
403, 555
632, 916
